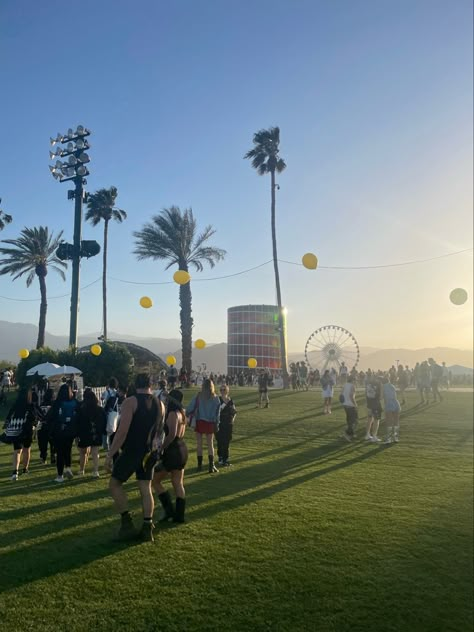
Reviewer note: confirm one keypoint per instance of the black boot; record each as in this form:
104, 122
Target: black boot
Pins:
127, 530
212, 467
166, 503
146, 532
199, 467
179, 512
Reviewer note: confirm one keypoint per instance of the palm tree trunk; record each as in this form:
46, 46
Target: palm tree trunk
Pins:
281, 328
186, 322
104, 279
43, 310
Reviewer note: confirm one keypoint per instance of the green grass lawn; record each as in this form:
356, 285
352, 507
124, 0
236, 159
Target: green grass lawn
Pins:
305, 532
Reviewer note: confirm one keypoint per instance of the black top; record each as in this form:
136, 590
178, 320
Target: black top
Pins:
228, 412
144, 423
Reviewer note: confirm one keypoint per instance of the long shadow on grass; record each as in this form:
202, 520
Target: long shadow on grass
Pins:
244, 478
59, 554
59, 503
278, 486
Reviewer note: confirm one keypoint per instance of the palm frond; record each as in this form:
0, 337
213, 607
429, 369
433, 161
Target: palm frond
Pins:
171, 236
265, 153
34, 247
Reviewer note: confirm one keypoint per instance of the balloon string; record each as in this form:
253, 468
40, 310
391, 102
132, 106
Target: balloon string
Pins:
261, 265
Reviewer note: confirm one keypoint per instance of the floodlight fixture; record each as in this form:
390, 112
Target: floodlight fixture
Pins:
82, 171
83, 157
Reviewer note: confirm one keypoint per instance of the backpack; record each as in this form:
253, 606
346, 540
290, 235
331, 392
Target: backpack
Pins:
67, 425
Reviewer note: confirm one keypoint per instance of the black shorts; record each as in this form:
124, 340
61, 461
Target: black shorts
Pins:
374, 408
128, 463
175, 456
23, 443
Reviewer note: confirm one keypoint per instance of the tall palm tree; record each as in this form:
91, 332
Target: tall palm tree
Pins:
172, 236
266, 159
32, 253
4, 218
101, 206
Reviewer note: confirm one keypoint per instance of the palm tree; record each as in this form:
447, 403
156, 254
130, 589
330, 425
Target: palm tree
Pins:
172, 236
4, 218
32, 253
265, 159
101, 206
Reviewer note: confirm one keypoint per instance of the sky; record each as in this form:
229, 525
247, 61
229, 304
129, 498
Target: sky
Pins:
374, 100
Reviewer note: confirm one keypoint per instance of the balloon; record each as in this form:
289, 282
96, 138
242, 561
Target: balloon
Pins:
23, 353
251, 363
146, 302
310, 261
458, 296
170, 360
96, 350
200, 343
181, 277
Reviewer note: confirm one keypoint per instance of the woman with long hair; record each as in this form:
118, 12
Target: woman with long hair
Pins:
204, 408
62, 422
91, 422
392, 411
19, 425
174, 455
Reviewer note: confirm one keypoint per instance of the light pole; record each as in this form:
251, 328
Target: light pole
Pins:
73, 169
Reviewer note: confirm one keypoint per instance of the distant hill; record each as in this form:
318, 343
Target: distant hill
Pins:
16, 336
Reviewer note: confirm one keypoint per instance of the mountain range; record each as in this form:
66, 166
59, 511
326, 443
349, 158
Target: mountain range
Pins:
16, 336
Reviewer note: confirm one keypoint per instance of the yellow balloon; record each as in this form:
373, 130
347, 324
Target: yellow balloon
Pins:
146, 302
251, 363
200, 343
181, 277
170, 360
458, 296
310, 261
23, 353
96, 350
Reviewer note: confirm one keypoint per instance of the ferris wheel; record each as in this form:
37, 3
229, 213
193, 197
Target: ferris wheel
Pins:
330, 346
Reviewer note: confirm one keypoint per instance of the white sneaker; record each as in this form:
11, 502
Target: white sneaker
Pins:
15, 477
396, 439
81, 473
59, 479
375, 439
368, 437
95, 475
68, 473
388, 440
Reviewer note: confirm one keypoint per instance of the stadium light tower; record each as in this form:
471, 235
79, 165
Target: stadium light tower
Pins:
73, 147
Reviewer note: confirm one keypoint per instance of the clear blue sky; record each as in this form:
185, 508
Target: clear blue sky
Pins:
374, 101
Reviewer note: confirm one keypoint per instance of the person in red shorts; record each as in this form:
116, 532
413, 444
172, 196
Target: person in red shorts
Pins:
205, 408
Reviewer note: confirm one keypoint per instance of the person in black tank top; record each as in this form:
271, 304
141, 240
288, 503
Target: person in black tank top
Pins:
141, 418
174, 456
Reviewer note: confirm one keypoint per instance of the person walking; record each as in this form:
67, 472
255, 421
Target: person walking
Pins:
174, 456
373, 394
18, 430
226, 425
91, 422
350, 408
436, 377
62, 423
205, 409
262, 381
392, 412
327, 384
141, 418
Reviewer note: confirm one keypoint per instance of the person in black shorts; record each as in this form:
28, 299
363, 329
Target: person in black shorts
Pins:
174, 456
141, 417
19, 424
